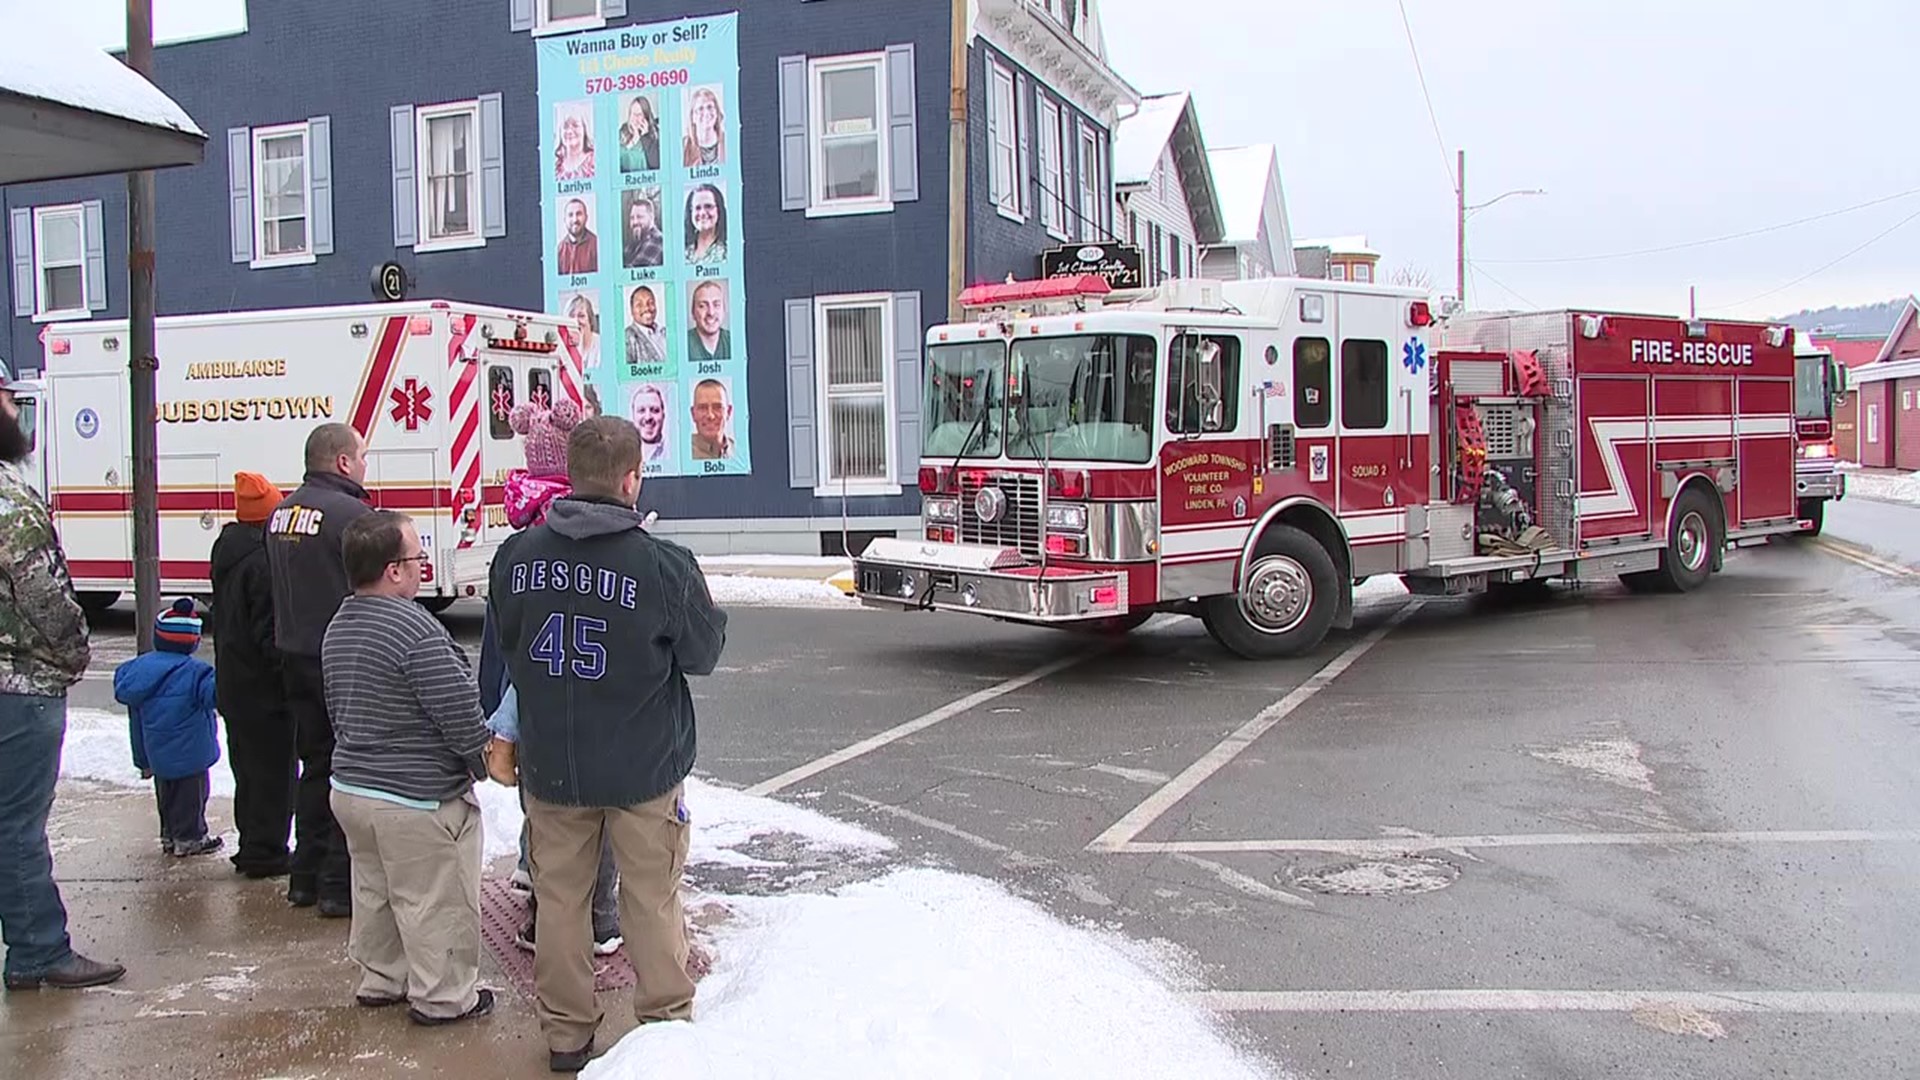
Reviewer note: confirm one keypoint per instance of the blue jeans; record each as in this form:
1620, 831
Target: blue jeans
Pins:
33, 921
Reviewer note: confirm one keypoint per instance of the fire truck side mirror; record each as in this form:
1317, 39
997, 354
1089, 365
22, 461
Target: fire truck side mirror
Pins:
1839, 376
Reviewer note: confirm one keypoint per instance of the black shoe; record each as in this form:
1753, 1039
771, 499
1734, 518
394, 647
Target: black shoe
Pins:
77, 973
480, 1008
378, 1001
299, 897
570, 1060
256, 869
206, 845
331, 908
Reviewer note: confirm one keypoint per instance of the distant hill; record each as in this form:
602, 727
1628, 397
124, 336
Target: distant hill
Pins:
1874, 319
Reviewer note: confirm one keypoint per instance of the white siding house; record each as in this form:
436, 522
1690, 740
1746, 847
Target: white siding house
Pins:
1257, 239
1163, 188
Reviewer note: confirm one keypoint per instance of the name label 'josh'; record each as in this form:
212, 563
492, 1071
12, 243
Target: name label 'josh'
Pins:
556, 575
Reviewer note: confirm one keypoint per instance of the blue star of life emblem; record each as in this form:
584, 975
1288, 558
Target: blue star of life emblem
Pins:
1414, 355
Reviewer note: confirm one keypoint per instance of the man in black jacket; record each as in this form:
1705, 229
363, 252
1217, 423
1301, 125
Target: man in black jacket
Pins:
249, 684
600, 623
309, 581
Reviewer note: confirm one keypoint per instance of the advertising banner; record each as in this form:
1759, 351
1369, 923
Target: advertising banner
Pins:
640, 204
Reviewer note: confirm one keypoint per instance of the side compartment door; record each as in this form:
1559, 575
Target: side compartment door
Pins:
1619, 495
189, 520
90, 477
1373, 422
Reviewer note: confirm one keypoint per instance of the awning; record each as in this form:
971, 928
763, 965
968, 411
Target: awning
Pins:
69, 110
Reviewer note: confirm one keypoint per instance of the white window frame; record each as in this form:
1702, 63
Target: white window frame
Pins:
544, 23
819, 204
1363, 273
1337, 272
1086, 153
1003, 177
422, 154
1053, 173
260, 137
41, 313
1873, 422
829, 484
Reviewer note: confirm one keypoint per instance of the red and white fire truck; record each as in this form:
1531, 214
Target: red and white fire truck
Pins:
427, 383
1246, 451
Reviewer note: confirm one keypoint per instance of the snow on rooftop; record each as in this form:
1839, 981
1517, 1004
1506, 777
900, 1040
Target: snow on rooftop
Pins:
41, 60
1140, 139
1240, 175
1340, 245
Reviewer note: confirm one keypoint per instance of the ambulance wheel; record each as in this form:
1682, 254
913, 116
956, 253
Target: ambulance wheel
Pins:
435, 604
93, 603
1688, 561
1287, 600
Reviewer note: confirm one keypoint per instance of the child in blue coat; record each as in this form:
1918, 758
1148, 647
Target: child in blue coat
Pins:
170, 718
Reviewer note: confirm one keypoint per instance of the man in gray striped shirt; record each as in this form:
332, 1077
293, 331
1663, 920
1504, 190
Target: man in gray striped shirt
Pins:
409, 743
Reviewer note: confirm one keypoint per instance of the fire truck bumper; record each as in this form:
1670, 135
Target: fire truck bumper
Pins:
1820, 483
983, 580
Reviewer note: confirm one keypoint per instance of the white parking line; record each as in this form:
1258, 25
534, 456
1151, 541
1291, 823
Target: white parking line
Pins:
1727, 1001
1120, 836
918, 724
1416, 844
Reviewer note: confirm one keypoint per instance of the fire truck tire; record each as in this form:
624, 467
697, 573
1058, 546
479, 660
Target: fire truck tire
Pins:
1688, 561
1815, 511
1286, 603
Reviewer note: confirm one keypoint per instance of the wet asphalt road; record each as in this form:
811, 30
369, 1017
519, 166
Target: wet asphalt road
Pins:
1595, 835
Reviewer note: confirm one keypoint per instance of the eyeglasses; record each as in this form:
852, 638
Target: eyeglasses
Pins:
423, 558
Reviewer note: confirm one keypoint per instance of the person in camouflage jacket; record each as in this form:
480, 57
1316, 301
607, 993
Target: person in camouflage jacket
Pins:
43, 651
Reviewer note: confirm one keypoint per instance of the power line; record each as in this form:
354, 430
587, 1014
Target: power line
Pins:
1476, 268
1882, 235
1453, 183
1712, 240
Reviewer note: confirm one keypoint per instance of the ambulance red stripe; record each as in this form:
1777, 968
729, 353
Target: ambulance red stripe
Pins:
379, 373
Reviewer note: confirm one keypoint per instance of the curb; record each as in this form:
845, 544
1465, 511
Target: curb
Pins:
843, 581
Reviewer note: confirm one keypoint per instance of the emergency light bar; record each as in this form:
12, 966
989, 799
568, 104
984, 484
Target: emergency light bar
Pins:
1020, 292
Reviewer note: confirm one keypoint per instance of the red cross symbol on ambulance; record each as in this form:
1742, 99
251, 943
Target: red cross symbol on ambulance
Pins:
410, 404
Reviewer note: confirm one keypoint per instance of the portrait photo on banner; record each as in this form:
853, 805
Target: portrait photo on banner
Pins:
640, 133
642, 243
578, 251
712, 437
583, 311
650, 407
707, 335
573, 140
646, 328
705, 138
705, 226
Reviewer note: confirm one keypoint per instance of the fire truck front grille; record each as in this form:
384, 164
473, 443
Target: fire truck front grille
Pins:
1018, 525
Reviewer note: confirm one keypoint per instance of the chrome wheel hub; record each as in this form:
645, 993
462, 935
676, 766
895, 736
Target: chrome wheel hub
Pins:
1277, 594
1692, 541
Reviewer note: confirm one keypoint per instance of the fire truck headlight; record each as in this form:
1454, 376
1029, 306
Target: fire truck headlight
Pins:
1817, 450
1067, 517
942, 510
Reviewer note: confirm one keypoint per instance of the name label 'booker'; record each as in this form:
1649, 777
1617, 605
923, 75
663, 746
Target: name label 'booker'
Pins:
1691, 352
556, 575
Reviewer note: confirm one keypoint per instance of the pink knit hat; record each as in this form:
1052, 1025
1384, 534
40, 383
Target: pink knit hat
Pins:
545, 434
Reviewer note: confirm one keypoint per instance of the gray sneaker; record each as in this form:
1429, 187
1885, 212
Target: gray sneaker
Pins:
206, 845
76, 973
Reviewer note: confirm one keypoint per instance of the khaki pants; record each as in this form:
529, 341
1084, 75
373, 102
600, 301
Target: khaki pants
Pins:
416, 900
650, 850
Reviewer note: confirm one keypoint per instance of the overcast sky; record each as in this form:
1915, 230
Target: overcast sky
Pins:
1649, 123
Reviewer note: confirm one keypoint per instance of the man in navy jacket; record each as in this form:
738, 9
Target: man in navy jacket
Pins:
599, 624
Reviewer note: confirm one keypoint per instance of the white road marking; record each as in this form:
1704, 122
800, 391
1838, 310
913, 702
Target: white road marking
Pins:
1415, 845
1119, 837
1846, 1002
1251, 886
895, 734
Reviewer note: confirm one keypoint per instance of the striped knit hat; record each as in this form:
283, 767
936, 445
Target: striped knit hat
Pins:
178, 628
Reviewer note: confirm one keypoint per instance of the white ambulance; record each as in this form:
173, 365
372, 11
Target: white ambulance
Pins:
429, 384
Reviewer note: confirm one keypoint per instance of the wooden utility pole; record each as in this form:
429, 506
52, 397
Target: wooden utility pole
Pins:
957, 163
141, 362
1460, 235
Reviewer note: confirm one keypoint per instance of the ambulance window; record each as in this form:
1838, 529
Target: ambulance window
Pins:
1200, 384
540, 388
1363, 384
499, 402
1312, 382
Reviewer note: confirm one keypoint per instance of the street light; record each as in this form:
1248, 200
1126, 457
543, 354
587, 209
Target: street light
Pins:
1460, 250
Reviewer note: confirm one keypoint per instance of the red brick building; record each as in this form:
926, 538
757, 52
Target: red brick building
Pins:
1877, 423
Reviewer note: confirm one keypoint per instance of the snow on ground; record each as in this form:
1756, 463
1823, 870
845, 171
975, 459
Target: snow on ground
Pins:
745, 590
99, 747
826, 564
1901, 487
914, 971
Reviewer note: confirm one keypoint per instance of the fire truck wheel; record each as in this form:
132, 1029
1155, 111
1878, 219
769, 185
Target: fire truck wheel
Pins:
1287, 599
1813, 511
1688, 560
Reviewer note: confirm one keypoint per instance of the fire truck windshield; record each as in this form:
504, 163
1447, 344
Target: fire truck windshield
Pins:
963, 399
1082, 398
1810, 388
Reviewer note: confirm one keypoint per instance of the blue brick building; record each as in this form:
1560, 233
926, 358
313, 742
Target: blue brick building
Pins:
337, 147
